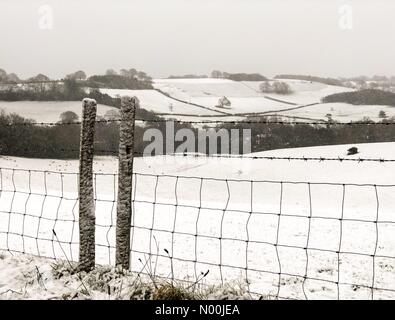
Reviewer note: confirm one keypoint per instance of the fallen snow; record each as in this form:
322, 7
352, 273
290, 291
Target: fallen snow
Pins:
205, 87
244, 105
155, 101
47, 111
304, 92
245, 96
177, 206
342, 112
24, 276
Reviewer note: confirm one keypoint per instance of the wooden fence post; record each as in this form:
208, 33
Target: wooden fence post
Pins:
86, 200
125, 173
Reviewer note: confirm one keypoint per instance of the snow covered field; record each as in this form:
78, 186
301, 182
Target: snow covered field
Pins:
206, 92
225, 214
245, 96
342, 112
304, 92
185, 88
251, 217
46, 111
155, 101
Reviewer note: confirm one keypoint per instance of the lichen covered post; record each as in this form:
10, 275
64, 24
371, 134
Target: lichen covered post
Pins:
125, 173
86, 200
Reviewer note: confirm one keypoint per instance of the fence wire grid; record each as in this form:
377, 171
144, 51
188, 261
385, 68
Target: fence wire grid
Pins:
278, 239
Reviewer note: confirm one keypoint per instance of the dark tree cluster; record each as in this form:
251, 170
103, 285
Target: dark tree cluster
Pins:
22, 137
69, 90
328, 81
238, 76
118, 82
363, 97
188, 76
8, 77
271, 135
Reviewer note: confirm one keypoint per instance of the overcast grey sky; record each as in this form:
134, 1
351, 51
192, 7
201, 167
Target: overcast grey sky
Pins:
164, 37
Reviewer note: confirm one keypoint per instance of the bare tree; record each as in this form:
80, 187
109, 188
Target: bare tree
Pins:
112, 115
111, 72
39, 78
382, 114
79, 75
276, 87
124, 73
68, 117
3, 75
265, 87
224, 102
12, 77
281, 87
216, 74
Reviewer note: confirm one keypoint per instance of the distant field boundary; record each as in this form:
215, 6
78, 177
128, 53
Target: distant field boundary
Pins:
246, 114
190, 103
270, 98
279, 100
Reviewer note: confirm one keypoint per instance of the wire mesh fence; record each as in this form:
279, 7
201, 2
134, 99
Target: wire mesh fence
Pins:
280, 239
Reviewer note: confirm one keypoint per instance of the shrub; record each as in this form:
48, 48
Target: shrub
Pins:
276, 87
68, 117
118, 82
168, 291
281, 88
329, 81
382, 114
224, 102
352, 151
363, 97
238, 76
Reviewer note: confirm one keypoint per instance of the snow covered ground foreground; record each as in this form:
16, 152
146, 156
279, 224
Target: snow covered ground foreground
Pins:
28, 277
249, 220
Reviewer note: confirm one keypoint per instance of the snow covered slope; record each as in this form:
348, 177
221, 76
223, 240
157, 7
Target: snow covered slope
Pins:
47, 111
341, 112
155, 101
245, 96
228, 209
207, 92
199, 98
186, 88
303, 92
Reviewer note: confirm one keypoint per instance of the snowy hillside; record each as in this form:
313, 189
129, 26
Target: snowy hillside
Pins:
245, 96
303, 92
200, 97
303, 103
47, 111
186, 88
229, 208
155, 101
341, 112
